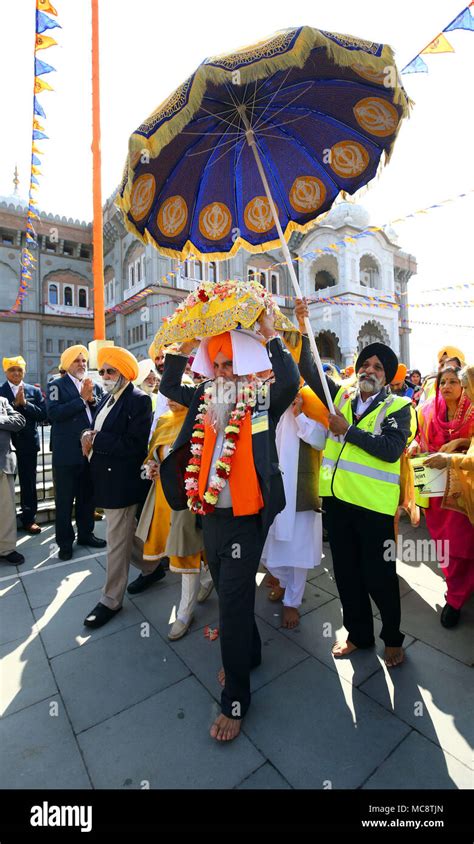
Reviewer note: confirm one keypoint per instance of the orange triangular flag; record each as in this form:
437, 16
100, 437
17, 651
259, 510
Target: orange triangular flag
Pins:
41, 85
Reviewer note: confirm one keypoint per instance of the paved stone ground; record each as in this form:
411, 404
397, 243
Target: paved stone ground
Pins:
116, 708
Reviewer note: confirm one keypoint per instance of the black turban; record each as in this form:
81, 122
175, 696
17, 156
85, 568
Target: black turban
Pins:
387, 358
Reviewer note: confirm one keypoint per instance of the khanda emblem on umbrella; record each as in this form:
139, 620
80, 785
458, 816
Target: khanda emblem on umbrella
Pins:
348, 159
376, 116
307, 194
142, 196
215, 221
173, 216
258, 215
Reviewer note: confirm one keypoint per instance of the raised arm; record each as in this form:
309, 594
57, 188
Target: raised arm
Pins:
10, 419
170, 384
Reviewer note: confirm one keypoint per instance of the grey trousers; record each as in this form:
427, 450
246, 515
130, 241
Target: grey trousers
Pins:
7, 514
123, 548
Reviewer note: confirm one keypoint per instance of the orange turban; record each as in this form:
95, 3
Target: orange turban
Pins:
220, 343
120, 359
400, 374
70, 354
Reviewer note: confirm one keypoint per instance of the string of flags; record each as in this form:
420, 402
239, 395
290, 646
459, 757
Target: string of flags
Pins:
42, 42
440, 44
334, 247
442, 289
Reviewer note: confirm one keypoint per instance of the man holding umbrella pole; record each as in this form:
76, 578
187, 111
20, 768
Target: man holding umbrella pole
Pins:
360, 486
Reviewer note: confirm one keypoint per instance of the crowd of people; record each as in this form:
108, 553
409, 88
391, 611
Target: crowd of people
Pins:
212, 464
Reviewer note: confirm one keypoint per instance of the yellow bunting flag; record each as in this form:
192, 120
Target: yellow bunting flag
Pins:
45, 6
37, 125
440, 44
41, 85
35, 170
44, 41
35, 149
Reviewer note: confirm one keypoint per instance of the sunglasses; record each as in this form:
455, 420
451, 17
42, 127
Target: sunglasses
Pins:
107, 371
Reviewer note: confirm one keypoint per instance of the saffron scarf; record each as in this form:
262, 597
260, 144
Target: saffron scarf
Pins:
245, 490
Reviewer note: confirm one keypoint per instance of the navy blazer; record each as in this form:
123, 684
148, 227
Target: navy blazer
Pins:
34, 411
67, 414
265, 455
120, 448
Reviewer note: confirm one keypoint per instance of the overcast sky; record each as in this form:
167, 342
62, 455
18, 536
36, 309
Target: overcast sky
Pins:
149, 47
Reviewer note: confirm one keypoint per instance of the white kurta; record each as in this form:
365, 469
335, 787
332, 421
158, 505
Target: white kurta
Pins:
295, 538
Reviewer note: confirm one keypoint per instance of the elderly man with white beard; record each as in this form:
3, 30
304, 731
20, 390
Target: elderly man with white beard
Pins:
360, 486
224, 467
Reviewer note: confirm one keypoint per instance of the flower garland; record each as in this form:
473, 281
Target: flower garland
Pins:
224, 463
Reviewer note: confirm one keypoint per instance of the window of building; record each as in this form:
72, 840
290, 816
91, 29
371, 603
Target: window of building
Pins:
61, 345
7, 237
143, 274
68, 296
82, 297
131, 276
138, 267
129, 337
212, 272
274, 283
323, 279
250, 274
68, 248
49, 347
85, 251
50, 245
53, 294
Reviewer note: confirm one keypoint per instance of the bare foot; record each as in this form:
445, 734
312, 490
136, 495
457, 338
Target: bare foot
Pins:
270, 581
276, 593
343, 648
393, 657
225, 729
221, 677
291, 617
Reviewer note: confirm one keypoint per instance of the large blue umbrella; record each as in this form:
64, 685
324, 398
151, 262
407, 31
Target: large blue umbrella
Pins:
256, 144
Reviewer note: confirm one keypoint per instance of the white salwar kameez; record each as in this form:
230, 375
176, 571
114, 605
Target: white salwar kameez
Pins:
294, 542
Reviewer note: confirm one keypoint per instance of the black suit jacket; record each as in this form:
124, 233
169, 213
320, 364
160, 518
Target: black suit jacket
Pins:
67, 414
34, 411
281, 394
120, 449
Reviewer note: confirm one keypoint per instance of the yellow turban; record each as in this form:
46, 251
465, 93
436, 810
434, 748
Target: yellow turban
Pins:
18, 361
451, 352
69, 356
120, 359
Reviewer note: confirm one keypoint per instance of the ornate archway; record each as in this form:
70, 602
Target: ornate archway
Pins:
328, 347
372, 332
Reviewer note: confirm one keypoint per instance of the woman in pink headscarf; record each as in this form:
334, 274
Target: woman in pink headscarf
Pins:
449, 416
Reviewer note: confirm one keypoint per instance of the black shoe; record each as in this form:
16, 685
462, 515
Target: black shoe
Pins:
165, 563
450, 616
65, 553
144, 581
14, 558
100, 615
92, 541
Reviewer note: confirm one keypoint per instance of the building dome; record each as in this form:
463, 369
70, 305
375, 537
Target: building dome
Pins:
347, 214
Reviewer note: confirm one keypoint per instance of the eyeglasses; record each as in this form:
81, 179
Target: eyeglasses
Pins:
107, 371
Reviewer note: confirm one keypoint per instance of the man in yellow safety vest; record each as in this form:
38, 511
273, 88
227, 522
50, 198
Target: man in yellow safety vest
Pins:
360, 486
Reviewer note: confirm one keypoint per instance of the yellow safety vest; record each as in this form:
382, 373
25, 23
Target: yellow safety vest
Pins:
350, 473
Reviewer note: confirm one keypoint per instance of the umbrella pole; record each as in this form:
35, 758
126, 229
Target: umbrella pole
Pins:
250, 136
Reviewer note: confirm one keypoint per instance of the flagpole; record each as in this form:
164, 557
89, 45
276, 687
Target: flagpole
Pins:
97, 225
250, 136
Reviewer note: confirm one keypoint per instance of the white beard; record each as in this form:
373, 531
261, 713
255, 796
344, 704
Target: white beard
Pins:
223, 402
372, 386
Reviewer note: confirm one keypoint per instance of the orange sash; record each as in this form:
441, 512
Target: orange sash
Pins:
245, 490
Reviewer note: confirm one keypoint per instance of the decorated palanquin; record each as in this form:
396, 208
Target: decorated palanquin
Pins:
212, 309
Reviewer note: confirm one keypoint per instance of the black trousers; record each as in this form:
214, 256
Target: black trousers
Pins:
357, 537
26, 462
234, 546
73, 485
